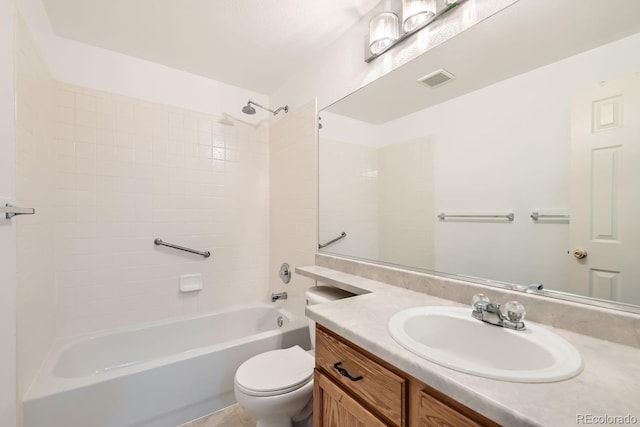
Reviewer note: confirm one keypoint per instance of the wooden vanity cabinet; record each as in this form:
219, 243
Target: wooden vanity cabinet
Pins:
355, 388
332, 406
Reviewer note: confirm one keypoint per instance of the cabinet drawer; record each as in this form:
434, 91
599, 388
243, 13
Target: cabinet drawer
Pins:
379, 388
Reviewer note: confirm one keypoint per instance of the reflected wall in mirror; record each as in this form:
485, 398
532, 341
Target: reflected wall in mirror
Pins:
553, 133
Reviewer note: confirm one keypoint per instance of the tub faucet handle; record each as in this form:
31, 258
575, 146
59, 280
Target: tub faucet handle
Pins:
285, 273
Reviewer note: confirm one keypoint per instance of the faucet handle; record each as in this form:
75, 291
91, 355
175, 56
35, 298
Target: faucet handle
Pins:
479, 298
515, 311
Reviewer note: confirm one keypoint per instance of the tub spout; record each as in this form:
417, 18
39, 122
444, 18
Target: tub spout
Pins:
276, 296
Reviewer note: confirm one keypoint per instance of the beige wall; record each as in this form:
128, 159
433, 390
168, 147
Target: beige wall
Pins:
35, 184
292, 207
7, 228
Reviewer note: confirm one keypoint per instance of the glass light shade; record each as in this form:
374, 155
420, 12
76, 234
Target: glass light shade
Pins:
417, 13
383, 31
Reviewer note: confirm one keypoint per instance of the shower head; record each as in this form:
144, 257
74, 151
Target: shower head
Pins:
248, 109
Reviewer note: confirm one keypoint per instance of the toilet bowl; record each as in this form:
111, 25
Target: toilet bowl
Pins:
276, 387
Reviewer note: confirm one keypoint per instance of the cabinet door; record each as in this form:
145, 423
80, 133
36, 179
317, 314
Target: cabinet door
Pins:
434, 413
333, 407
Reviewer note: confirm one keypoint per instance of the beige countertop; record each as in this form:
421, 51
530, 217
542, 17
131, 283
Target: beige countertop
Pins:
608, 386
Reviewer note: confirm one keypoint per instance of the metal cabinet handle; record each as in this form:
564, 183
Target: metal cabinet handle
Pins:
345, 373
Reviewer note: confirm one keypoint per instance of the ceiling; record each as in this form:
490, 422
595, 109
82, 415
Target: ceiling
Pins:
253, 44
524, 36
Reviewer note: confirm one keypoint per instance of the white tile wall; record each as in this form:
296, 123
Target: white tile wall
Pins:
35, 304
128, 171
358, 197
293, 171
348, 198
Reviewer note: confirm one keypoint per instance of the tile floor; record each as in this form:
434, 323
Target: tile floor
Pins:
233, 416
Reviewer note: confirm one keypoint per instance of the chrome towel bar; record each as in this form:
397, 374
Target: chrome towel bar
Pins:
159, 242
341, 236
510, 216
537, 215
10, 211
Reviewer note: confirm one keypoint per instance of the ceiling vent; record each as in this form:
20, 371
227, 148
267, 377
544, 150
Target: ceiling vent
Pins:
437, 78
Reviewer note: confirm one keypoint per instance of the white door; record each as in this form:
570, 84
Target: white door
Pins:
605, 190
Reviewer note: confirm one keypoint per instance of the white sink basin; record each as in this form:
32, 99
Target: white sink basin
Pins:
450, 337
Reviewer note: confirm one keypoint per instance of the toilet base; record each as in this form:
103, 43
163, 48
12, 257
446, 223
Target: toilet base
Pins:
278, 410
305, 422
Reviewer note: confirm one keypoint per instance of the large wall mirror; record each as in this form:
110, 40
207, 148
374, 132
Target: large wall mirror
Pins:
524, 168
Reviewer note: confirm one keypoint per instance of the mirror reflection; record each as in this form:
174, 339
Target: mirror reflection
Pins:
528, 178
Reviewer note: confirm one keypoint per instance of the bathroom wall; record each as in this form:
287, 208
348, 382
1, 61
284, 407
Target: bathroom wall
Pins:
292, 203
8, 412
128, 171
35, 187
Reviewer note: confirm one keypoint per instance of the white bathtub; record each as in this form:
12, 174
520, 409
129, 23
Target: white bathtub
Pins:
161, 374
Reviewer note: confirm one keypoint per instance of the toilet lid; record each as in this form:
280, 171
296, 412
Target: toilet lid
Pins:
276, 371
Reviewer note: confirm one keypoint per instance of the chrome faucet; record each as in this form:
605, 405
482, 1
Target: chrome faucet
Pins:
491, 313
276, 296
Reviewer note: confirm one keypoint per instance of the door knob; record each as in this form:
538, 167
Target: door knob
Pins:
580, 253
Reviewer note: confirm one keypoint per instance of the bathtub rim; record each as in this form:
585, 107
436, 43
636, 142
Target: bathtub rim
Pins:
46, 383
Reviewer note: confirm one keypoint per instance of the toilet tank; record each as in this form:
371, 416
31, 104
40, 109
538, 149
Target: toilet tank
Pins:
319, 295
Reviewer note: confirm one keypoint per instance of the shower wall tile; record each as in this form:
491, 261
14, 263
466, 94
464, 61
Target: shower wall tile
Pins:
127, 171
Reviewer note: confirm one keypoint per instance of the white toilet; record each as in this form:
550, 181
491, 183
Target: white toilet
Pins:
276, 387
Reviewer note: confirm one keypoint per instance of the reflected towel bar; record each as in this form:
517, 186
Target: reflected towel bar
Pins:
510, 216
537, 215
341, 236
159, 242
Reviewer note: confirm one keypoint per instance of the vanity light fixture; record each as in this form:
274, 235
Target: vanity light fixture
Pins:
384, 27
417, 13
383, 32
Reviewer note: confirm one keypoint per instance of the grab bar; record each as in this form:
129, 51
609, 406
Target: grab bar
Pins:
537, 215
510, 216
159, 242
10, 211
341, 236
